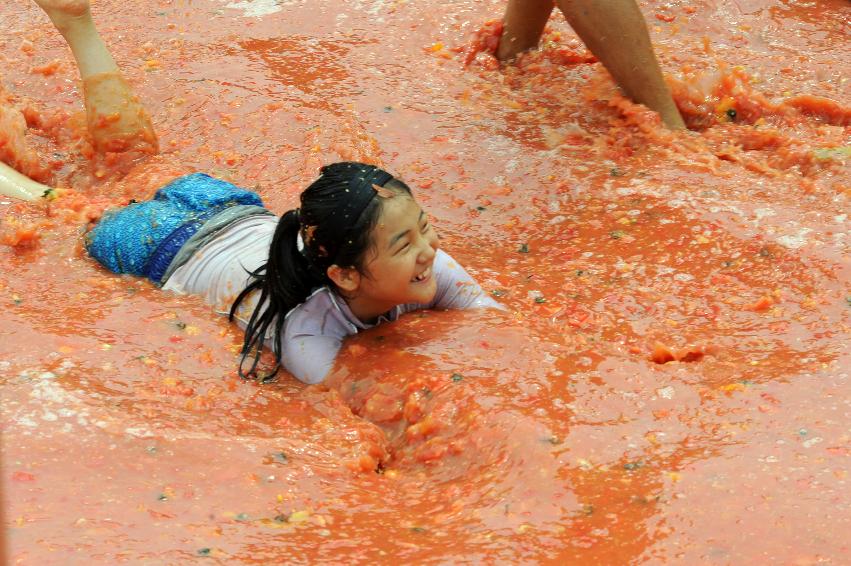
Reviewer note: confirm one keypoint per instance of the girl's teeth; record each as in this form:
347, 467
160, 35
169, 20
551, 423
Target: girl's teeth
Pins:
420, 277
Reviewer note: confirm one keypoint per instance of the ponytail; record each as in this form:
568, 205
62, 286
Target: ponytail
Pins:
284, 281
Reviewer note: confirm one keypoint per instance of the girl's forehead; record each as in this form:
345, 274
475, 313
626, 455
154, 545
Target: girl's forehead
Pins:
397, 213
398, 208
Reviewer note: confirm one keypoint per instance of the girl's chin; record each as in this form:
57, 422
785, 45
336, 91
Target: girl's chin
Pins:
423, 292
429, 292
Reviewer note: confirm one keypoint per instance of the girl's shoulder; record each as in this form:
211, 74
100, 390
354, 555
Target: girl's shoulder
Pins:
457, 289
313, 334
322, 313
443, 262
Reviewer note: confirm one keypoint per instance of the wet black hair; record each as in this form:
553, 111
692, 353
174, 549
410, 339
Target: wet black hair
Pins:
333, 226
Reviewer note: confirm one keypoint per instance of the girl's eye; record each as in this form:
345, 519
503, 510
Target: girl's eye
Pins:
426, 226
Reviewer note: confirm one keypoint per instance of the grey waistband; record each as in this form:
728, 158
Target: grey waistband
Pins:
209, 230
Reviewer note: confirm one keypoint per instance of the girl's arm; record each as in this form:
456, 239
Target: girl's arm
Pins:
456, 289
312, 335
314, 331
310, 358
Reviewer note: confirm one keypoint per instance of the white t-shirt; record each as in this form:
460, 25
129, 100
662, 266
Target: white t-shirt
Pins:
313, 332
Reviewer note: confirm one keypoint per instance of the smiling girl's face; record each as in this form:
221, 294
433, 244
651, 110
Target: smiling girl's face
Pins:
398, 268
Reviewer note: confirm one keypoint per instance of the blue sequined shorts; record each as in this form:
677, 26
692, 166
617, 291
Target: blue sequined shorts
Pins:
142, 238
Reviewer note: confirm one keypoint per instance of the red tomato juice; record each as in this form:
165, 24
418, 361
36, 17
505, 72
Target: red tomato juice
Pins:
668, 385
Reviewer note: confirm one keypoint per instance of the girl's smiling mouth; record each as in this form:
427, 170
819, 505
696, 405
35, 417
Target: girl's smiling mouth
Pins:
424, 274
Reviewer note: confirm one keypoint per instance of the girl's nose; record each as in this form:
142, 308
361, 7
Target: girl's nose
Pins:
428, 250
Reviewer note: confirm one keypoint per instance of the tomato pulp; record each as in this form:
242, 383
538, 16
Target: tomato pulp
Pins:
668, 385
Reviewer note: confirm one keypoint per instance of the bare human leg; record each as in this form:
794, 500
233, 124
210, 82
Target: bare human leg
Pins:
116, 119
614, 31
524, 23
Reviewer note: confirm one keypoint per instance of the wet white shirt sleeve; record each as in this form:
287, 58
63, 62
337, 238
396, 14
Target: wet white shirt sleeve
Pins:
456, 289
310, 358
313, 334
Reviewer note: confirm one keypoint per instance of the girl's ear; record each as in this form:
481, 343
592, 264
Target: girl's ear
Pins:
345, 278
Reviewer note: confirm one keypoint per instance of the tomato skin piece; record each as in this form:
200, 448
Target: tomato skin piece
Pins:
662, 354
421, 430
24, 477
431, 452
382, 408
414, 410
